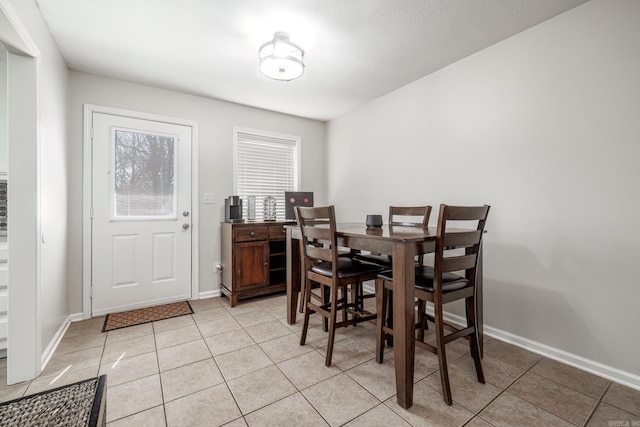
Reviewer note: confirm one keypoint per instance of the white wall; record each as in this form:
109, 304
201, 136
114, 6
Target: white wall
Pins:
544, 127
3, 109
4, 278
47, 171
215, 164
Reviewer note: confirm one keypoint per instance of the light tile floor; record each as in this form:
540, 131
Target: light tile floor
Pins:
244, 366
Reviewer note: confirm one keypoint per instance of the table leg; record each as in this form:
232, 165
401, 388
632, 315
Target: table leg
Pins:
293, 275
404, 321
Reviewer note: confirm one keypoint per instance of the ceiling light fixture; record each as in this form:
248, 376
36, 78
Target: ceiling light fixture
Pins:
280, 59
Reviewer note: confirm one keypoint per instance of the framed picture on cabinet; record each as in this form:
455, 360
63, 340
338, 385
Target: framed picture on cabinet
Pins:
296, 198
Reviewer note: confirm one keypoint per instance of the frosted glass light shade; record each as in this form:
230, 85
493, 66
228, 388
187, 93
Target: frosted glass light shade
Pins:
280, 59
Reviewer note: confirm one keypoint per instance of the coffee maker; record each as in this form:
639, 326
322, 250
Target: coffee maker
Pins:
233, 209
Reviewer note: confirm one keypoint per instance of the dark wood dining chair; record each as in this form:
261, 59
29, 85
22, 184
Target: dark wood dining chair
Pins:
405, 216
400, 216
324, 266
457, 251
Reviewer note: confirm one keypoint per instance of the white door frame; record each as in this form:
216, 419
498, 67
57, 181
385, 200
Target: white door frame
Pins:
87, 189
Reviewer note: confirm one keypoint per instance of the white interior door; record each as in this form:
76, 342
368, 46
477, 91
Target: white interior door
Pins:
141, 213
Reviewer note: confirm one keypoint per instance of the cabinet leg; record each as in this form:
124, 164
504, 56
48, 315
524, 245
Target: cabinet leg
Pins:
233, 300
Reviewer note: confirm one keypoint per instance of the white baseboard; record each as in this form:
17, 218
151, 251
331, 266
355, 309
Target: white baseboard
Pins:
55, 341
75, 317
614, 374
209, 294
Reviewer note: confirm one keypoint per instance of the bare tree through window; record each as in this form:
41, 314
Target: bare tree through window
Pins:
144, 174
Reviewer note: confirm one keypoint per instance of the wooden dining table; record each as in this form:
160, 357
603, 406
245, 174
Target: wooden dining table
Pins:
403, 244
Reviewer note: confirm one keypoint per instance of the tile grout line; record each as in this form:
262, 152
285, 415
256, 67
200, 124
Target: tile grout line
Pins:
598, 403
158, 364
477, 414
531, 403
155, 344
298, 390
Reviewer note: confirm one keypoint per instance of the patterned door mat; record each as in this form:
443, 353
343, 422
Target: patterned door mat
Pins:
146, 315
79, 404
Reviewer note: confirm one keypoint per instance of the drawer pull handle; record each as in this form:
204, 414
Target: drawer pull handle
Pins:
253, 233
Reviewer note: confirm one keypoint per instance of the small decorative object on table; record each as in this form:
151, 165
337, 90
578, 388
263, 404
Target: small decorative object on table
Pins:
251, 208
374, 221
269, 208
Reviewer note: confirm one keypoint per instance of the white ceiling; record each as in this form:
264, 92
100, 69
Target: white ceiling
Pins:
355, 50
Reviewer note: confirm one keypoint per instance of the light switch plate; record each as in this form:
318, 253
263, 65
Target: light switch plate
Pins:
209, 198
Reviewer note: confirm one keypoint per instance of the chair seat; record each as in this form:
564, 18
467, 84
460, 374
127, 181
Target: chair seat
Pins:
424, 279
347, 267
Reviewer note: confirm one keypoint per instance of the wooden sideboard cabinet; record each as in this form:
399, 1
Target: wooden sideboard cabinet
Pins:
253, 259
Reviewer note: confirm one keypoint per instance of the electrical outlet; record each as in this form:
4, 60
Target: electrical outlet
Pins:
209, 198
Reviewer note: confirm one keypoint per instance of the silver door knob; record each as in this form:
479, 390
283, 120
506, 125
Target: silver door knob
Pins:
185, 213
185, 226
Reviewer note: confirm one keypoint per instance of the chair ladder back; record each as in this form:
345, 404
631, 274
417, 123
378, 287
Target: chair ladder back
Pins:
467, 213
458, 263
422, 212
449, 243
461, 239
317, 225
321, 252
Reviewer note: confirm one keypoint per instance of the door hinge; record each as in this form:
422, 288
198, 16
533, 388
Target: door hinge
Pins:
91, 134
91, 212
91, 292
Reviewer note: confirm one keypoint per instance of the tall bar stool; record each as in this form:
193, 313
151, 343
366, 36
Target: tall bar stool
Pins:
399, 216
324, 266
456, 250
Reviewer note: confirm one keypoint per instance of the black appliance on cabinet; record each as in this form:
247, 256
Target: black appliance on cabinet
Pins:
233, 209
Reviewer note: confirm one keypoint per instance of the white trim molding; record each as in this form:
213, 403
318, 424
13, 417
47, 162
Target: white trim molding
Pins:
18, 38
55, 341
210, 294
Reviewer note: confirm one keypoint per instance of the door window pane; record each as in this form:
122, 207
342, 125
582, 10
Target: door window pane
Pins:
144, 166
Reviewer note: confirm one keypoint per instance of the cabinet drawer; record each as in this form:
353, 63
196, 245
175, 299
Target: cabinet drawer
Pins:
277, 232
248, 234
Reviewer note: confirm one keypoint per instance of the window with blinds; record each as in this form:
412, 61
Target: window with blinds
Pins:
266, 164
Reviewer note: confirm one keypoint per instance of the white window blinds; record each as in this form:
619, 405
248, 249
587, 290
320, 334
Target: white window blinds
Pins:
265, 165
